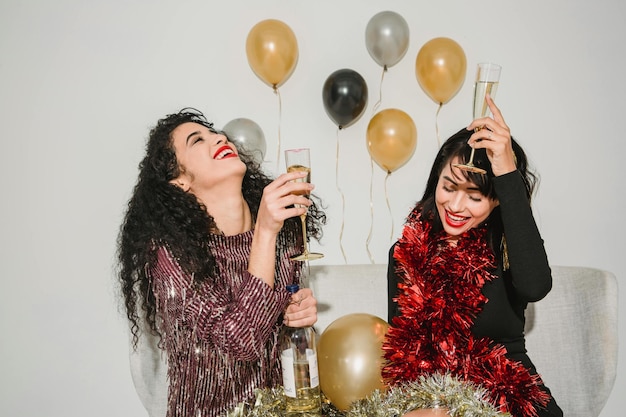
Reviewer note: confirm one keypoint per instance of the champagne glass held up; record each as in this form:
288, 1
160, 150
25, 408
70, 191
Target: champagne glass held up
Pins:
487, 80
300, 160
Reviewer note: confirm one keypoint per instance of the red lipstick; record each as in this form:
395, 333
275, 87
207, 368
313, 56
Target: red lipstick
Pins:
232, 153
455, 222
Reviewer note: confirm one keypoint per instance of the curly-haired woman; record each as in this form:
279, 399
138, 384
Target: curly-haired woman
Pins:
204, 260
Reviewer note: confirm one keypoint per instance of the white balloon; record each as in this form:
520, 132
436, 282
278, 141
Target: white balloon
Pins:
247, 135
387, 38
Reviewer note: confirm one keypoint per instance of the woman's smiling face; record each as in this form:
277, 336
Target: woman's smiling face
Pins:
460, 205
206, 157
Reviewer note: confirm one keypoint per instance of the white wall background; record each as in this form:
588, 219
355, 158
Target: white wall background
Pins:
81, 82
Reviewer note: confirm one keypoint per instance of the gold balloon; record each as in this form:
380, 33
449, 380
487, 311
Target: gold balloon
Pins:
440, 68
272, 51
391, 138
350, 358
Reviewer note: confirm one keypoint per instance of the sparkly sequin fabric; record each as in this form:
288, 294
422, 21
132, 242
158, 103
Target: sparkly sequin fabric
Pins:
220, 337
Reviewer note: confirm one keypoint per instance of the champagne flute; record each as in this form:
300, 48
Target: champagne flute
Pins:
299, 160
487, 80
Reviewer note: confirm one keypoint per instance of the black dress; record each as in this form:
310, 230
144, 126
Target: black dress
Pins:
527, 279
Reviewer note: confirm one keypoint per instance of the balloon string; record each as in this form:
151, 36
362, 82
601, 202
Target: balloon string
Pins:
389, 206
369, 236
437, 124
374, 108
380, 91
343, 200
280, 115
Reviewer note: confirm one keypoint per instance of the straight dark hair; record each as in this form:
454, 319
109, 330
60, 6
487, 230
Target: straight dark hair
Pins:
456, 147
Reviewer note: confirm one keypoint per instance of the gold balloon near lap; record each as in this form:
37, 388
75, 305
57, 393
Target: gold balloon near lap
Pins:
272, 51
350, 358
440, 68
391, 138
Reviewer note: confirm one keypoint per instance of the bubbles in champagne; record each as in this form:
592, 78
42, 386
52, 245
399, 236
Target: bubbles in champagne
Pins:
482, 88
301, 168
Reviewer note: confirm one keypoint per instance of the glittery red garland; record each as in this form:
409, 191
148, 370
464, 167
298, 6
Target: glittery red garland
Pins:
439, 300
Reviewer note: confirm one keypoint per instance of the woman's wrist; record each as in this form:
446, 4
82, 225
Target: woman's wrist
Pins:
263, 255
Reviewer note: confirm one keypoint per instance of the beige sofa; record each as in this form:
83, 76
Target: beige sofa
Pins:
571, 334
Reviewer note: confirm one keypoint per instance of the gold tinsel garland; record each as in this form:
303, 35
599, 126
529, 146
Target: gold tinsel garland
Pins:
460, 398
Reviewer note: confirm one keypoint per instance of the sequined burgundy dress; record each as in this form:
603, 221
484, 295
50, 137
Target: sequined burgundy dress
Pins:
220, 337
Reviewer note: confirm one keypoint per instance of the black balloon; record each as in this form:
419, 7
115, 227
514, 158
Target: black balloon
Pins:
345, 97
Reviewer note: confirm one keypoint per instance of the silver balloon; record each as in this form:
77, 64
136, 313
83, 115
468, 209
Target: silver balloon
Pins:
387, 38
247, 135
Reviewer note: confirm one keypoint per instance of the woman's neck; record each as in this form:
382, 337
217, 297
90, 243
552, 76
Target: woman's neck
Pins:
229, 209
232, 216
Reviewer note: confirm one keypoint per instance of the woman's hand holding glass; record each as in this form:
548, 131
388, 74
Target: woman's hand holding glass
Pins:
299, 160
282, 199
494, 135
487, 81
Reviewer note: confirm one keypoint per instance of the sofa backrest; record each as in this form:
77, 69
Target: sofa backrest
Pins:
571, 334
345, 289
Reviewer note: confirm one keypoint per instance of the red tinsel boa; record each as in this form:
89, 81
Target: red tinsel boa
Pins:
439, 300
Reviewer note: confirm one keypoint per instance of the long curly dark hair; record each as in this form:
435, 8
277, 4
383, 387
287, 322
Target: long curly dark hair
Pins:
162, 214
456, 147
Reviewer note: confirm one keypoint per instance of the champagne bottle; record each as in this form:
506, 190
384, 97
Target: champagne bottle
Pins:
299, 368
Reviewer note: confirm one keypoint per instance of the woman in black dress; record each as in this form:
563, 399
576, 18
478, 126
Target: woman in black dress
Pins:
469, 261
